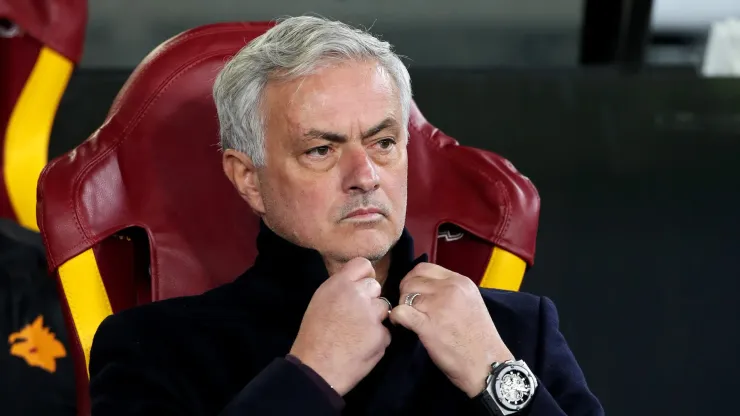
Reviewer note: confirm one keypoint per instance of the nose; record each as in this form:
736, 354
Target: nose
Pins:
361, 171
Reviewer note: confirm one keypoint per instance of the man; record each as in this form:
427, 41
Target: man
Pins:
335, 316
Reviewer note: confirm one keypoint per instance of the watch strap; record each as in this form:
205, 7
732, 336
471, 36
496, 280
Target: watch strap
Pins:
485, 405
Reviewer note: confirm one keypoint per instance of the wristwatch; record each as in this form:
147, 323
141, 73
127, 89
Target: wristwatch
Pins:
510, 388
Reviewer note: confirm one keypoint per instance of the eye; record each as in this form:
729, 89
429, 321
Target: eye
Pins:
386, 144
320, 151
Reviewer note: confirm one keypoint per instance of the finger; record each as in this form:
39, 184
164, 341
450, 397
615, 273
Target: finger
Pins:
358, 268
383, 308
426, 270
419, 284
410, 318
386, 337
383, 342
369, 287
419, 302
430, 270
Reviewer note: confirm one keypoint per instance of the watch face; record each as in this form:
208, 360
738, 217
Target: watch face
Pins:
514, 387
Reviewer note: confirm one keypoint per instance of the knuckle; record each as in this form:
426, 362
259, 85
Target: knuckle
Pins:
420, 269
468, 285
409, 282
386, 338
360, 287
377, 338
455, 288
358, 265
358, 261
461, 287
404, 283
362, 263
370, 287
402, 312
428, 268
365, 290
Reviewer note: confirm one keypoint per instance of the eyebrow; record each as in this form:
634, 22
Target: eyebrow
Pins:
341, 138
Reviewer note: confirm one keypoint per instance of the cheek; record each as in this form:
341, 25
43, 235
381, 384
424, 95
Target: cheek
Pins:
398, 195
317, 200
310, 199
396, 182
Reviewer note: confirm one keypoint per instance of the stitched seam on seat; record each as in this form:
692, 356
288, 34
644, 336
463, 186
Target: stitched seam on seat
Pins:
183, 69
496, 234
507, 210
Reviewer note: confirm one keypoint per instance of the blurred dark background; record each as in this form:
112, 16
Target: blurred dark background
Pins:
603, 105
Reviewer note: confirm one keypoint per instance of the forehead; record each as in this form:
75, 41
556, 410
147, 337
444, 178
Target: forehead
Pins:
342, 98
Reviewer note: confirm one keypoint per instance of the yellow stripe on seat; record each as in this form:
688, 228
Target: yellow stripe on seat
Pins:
504, 271
29, 128
86, 296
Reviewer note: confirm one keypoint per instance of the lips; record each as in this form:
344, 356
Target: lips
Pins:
364, 211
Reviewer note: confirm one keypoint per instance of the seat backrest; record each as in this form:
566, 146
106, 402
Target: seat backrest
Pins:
40, 42
142, 211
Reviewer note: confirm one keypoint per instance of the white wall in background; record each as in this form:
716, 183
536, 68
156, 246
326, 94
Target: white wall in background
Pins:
691, 15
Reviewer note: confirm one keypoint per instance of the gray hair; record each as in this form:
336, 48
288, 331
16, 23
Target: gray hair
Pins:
295, 47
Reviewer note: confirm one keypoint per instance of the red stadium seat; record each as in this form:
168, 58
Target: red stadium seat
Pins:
141, 211
40, 42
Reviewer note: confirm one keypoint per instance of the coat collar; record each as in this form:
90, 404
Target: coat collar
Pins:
300, 270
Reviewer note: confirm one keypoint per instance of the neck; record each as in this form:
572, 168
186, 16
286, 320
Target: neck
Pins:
381, 267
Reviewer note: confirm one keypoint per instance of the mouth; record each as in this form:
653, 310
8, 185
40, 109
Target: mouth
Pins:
365, 214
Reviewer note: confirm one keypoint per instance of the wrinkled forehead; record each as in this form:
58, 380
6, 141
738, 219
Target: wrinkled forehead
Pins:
346, 98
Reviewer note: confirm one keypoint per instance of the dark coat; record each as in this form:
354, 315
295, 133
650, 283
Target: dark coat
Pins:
224, 352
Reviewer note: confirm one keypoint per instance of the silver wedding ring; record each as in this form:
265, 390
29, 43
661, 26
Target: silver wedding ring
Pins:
390, 307
410, 299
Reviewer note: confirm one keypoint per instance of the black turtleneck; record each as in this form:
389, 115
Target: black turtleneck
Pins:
306, 271
302, 270
226, 351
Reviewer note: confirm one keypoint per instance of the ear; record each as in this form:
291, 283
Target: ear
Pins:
242, 173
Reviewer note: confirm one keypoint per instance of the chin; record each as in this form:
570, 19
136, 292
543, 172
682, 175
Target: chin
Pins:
371, 243
373, 254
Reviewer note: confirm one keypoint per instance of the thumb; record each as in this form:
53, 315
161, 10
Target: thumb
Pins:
410, 318
358, 269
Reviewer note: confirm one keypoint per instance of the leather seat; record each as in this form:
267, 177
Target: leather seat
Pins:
40, 42
142, 211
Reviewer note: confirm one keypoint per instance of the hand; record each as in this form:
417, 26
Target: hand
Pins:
453, 323
342, 337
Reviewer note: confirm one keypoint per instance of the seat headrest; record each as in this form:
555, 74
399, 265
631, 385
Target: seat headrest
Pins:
58, 24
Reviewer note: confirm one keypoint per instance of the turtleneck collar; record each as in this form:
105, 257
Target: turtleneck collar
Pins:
302, 270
